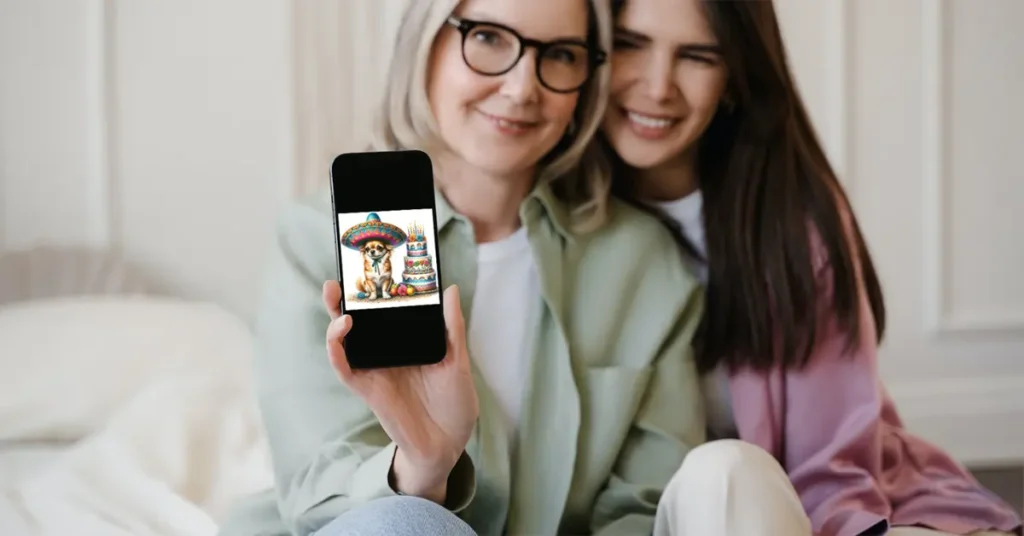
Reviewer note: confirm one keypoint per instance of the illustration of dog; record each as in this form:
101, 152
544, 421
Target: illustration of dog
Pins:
376, 270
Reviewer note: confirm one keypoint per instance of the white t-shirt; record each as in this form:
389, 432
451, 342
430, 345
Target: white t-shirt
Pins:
688, 212
506, 304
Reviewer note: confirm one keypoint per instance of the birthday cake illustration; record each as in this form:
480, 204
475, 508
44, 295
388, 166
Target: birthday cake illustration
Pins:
419, 263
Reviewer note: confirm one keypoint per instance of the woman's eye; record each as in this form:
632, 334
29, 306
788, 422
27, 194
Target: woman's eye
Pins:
487, 37
622, 44
563, 55
698, 58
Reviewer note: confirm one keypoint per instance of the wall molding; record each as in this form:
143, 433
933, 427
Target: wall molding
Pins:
933, 24
109, 194
320, 65
840, 21
936, 176
976, 420
3, 214
100, 227
337, 76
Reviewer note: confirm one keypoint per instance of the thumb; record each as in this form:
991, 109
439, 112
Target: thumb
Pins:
336, 332
455, 324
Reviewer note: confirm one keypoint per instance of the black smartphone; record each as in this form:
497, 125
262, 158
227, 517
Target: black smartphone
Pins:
385, 229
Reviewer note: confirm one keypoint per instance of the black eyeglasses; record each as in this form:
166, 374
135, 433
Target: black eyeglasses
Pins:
492, 49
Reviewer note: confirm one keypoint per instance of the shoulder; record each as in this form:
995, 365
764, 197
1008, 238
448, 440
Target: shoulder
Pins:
304, 234
635, 251
625, 223
632, 298
627, 219
309, 210
628, 224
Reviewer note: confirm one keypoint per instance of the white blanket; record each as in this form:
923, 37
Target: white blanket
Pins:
167, 464
173, 453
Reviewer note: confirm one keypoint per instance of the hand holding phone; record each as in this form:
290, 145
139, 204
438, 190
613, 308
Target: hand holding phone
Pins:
398, 345
428, 411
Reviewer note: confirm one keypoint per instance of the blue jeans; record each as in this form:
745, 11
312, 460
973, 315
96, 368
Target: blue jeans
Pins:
397, 516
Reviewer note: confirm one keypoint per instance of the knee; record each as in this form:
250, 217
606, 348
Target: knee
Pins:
397, 516
408, 505
721, 461
732, 487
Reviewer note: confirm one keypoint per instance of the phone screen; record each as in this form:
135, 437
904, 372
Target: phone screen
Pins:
385, 230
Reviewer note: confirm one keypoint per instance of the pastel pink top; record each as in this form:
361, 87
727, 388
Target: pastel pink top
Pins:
836, 432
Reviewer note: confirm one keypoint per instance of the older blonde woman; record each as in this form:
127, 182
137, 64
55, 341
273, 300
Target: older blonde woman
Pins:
569, 396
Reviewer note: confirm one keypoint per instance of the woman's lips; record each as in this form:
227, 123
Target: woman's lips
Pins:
648, 126
510, 126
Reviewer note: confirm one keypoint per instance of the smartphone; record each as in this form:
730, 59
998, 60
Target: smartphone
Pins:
385, 230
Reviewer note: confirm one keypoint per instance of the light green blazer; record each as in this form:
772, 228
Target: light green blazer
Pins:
611, 403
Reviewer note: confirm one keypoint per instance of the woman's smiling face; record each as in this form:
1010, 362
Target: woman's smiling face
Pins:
509, 122
668, 79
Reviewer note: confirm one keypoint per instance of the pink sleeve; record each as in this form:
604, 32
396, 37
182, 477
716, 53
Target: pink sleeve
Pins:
824, 422
833, 426
836, 431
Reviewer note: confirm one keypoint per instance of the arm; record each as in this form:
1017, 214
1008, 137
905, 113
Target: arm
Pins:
833, 426
854, 466
669, 423
328, 451
823, 422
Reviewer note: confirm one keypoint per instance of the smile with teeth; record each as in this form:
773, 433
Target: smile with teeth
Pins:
648, 121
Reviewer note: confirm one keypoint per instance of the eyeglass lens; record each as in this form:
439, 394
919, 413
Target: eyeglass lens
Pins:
493, 50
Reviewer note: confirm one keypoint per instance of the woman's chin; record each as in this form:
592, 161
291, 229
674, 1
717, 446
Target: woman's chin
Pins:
643, 159
500, 163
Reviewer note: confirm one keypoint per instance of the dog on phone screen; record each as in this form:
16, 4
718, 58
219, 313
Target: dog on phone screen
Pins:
376, 270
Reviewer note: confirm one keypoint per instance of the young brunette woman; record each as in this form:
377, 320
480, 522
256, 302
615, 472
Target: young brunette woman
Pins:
569, 395
711, 133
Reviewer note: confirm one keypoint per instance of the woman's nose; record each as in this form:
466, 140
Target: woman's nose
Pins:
521, 83
659, 79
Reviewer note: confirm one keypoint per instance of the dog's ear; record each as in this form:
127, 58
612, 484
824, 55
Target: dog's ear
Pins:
388, 247
362, 247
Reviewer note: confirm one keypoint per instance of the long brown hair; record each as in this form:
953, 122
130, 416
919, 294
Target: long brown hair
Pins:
765, 178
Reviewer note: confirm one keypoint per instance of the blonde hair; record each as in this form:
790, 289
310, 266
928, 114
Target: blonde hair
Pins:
577, 168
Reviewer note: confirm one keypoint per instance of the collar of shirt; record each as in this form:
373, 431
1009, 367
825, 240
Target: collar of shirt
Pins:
541, 201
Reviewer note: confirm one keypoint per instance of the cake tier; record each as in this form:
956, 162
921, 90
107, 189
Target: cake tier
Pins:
423, 287
419, 278
421, 282
416, 248
419, 265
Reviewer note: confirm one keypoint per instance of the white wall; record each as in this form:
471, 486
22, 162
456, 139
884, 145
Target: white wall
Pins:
163, 128
917, 101
52, 157
174, 128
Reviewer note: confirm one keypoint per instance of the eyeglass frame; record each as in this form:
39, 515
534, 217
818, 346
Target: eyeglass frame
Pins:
595, 58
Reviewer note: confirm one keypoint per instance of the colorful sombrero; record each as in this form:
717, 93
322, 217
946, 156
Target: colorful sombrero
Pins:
373, 229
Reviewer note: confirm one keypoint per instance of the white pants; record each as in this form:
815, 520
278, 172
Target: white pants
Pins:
731, 487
